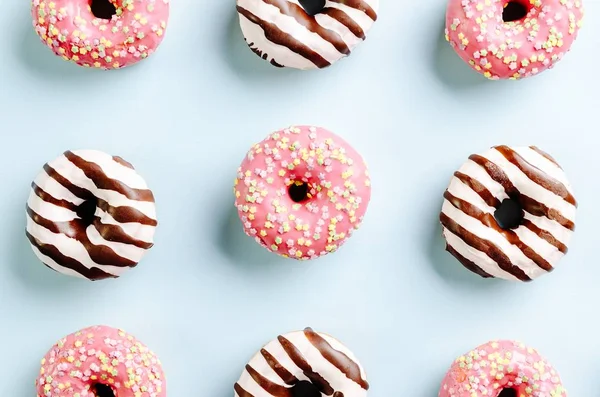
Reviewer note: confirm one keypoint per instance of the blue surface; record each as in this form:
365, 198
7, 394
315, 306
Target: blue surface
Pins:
206, 297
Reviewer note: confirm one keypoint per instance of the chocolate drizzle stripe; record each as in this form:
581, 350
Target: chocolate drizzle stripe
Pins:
546, 155
240, 391
270, 387
489, 221
77, 191
340, 360
338, 394
277, 36
485, 246
124, 214
100, 254
538, 209
115, 233
301, 363
279, 369
360, 5
467, 263
95, 173
536, 175
309, 22
529, 204
124, 163
345, 20
478, 188
53, 253
52, 200
546, 235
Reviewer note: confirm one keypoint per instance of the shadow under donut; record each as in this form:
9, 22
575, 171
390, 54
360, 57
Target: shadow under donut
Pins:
25, 265
449, 68
239, 247
450, 269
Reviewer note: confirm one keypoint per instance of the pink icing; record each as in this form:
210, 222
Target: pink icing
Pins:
100, 355
512, 50
339, 192
69, 28
488, 369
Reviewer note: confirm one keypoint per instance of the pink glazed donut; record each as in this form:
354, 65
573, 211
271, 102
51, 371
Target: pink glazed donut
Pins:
104, 34
302, 192
512, 39
100, 361
502, 368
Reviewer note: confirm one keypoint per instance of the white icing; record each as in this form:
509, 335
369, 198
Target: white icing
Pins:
253, 33
337, 379
526, 186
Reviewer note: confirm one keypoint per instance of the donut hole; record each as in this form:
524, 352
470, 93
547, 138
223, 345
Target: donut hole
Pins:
87, 211
102, 390
514, 10
312, 7
299, 191
508, 393
509, 215
103, 9
305, 389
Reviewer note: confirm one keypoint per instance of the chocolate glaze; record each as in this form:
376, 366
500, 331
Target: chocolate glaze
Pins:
240, 391
485, 246
283, 373
102, 181
536, 175
345, 20
481, 190
359, 5
277, 36
527, 203
53, 253
310, 23
301, 363
341, 361
270, 387
467, 263
546, 155
489, 221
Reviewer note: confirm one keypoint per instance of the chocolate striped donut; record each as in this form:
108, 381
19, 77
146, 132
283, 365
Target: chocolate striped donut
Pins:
533, 182
303, 364
285, 34
90, 215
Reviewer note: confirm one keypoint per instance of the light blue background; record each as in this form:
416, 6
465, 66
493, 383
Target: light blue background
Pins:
206, 297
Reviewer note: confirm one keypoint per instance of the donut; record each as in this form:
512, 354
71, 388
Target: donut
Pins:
512, 39
90, 215
305, 34
303, 364
302, 192
509, 213
103, 34
100, 361
502, 368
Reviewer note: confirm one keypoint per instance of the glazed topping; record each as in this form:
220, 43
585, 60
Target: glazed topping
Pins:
302, 364
104, 34
525, 181
306, 33
513, 39
100, 361
302, 191
502, 369
90, 215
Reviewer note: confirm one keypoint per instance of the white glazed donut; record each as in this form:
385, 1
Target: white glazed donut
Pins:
303, 364
285, 34
90, 215
484, 188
